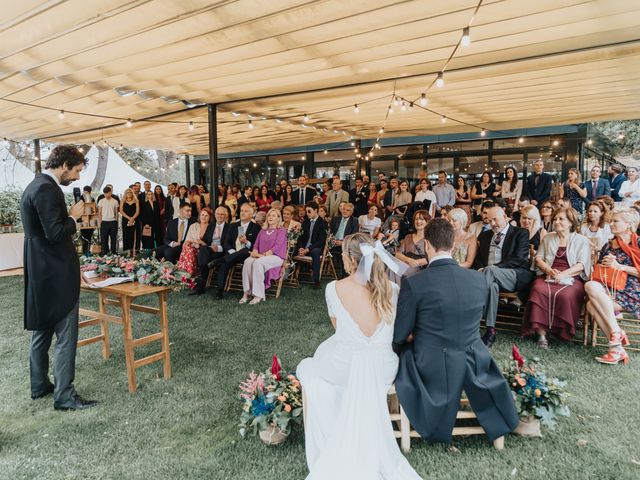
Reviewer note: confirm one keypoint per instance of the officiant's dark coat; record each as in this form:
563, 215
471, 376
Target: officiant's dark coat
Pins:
442, 306
51, 265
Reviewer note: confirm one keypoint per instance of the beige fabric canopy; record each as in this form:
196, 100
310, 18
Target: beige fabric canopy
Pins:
545, 62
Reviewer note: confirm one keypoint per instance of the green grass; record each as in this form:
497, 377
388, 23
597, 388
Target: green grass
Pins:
186, 427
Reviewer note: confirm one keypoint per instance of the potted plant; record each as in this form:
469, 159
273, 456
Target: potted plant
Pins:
271, 401
539, 399
9, 209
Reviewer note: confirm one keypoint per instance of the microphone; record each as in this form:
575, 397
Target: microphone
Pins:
77, 196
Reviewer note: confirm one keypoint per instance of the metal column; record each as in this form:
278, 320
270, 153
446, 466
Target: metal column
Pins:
36, 152
213, 154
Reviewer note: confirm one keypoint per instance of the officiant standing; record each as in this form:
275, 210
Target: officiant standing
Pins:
446, 355
52, 278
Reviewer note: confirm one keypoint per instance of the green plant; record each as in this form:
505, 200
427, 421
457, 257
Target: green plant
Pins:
10, 207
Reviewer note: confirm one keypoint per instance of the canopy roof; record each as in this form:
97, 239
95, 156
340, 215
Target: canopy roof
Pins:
530, 63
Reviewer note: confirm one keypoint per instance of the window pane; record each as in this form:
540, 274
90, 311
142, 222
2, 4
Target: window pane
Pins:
434, 165
385, 166
500, 162
458, 146
543, 141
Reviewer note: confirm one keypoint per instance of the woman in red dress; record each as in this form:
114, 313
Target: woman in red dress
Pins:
564, 264
194, 240
264, 200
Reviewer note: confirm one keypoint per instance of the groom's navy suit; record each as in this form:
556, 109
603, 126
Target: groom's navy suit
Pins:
442, 307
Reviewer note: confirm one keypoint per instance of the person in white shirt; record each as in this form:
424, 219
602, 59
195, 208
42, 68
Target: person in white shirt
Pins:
511, 188
108, 221
630, 189
423, 193
370, 223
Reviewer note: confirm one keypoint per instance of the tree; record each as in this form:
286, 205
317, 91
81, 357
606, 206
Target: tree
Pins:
101, 169
617, 138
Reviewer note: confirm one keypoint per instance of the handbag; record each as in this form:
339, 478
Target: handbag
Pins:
612, 278
146, 231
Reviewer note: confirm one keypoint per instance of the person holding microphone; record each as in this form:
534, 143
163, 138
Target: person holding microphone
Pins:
52, 277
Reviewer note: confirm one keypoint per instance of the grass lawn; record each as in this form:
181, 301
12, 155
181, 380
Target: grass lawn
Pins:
186, 427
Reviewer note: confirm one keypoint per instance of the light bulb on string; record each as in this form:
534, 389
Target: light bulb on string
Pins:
235, 114
589, 141
381, 131
306, 117
61, 115
356, 108
250, 124
521, 140
440, 80
377, 145
191, 126
390, 109
396, 101
423, 100
403, 106
466, 38
325, 151
443, 119
483, 133
129, 123
410, 106
353, 144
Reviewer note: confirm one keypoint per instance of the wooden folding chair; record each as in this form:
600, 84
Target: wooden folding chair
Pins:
327, 268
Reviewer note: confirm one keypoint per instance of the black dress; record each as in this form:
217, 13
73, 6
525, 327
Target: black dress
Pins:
150, 215
128, 232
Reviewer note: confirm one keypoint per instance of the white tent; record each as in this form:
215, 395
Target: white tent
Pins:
119, 173
13, 174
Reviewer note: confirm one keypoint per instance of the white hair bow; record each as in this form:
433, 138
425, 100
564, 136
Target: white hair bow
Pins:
363, 274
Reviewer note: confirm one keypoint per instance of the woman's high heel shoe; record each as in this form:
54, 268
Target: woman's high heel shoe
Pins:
613, 358
244, 300
619, 338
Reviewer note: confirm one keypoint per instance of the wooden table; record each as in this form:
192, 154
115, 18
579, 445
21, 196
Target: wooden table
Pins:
123, 296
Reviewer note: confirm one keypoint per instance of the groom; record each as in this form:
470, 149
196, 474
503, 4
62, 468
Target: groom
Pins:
441, 308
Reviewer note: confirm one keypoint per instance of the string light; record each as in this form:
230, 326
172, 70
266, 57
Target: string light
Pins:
396, 101
61, 115
191, 126
589, 141
353, 144
129, 123
306, 117
410, 106
423, 100
444, 119
440, 80
250, 124
483, 133
521, 140
381, 131
556, 143
390, 109
403, 106
466, 38
356, 108
326, 151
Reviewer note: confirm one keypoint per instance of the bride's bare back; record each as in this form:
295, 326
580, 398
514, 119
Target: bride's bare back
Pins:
356, 300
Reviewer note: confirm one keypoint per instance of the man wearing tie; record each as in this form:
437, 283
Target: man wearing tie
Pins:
243, 233
219, 240
311, 242
359, 197
503, 257
390, 195
172, 204
342, 226
335, 197
538, 186
596, 186
303, 194
175, 235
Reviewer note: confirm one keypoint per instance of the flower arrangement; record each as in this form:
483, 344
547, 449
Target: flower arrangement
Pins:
10, 207
149, 271
272, 399
536, 395
293, 235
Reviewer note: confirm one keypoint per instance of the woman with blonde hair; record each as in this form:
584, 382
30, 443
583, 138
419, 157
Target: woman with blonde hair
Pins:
621, 254
465, 245
288, 218
573, 190
268, 254
531, 221
129, 211
347, 430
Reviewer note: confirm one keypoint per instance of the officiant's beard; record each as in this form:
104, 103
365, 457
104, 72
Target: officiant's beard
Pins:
67, 178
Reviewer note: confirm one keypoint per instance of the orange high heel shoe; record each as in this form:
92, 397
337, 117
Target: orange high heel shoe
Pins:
613, 358
619, 338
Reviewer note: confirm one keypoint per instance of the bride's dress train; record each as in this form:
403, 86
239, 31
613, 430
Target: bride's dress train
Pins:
348, 432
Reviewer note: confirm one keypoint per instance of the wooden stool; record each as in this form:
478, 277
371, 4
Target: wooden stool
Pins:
402, 427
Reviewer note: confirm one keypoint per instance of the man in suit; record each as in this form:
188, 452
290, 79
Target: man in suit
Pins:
436, 333
538, 186
312, 240
616, 181
243, 234
175, 235
52, 278
390, 195
172, 203
246, 197
503, 257
219, 240
335, 197
596, 186
303, 194
341, 226
358, 197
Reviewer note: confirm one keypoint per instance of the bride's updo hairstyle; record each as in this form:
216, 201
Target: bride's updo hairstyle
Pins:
379, 284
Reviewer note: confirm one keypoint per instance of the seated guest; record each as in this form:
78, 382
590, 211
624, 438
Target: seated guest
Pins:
503, 257
311, 242
176, 234
358, 197
530, 220
243, 234
370, 223
264, 262
277, 204
260, 218
595, 226
390, 236
621, 253
323, 213
446, 355
326, 188
412, 248
563, 264
219, 240
342, 226
546, 212
300, 213
465, 245
482, 225
608, 201
194, 240
247, 196
288, 221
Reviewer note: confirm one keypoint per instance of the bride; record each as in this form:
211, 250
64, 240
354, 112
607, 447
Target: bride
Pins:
348, 432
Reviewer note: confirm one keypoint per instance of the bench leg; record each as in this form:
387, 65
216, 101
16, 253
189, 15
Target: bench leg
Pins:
405, 431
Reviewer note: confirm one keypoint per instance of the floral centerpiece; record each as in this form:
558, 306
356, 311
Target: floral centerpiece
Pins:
539, 399
271, 401
149, 271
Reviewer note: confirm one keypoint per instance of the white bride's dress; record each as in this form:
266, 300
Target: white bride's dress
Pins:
348, 432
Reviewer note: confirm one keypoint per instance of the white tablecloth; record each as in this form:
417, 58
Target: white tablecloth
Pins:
11, 250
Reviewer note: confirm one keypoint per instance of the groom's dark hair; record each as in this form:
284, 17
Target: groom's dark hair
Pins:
439, 233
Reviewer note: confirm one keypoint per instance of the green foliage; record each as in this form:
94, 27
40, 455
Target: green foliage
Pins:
10, 207
606, 137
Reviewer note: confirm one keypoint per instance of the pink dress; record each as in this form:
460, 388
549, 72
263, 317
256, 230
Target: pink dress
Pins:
277, 243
